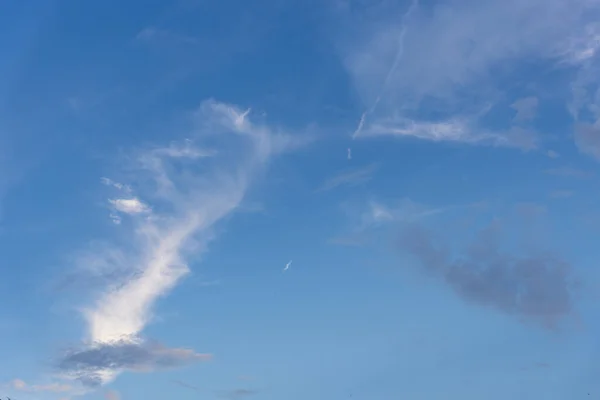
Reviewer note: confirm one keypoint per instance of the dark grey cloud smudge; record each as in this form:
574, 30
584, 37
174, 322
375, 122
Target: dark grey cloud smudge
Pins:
587, 139
88, 364
535, 287
525, 108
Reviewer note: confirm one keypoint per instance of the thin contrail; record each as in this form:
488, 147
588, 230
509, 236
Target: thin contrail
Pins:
287, 266
391, 71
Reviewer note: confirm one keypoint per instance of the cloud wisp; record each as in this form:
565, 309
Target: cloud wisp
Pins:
462, 130
449, 59
186, 191
399, 53
366, 219
349, 178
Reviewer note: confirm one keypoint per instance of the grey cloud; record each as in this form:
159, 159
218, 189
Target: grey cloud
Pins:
526, 109
89, 364
587, 139
538, 287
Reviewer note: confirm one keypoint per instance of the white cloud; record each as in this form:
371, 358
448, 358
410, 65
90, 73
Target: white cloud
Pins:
454, 130
117, 185
116, 219
187, 203
130, 206
446, 59
404, 211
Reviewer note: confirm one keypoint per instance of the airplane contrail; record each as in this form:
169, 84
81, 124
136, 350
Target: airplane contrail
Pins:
391, 71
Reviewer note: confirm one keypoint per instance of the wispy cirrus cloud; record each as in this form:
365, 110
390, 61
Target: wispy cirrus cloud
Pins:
454, 130
352, 177
116, 185
403, 211
186, 194
425, 69
374, 215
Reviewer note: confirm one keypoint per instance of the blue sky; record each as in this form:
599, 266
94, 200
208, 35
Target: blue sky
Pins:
429, 167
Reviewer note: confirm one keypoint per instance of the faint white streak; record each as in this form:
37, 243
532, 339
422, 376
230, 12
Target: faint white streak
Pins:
117, 185
350, 178
454, 130
361, 123
184, 150
404, 211
391, 71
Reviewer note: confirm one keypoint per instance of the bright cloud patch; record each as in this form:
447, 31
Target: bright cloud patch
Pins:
191, 201
129, 206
